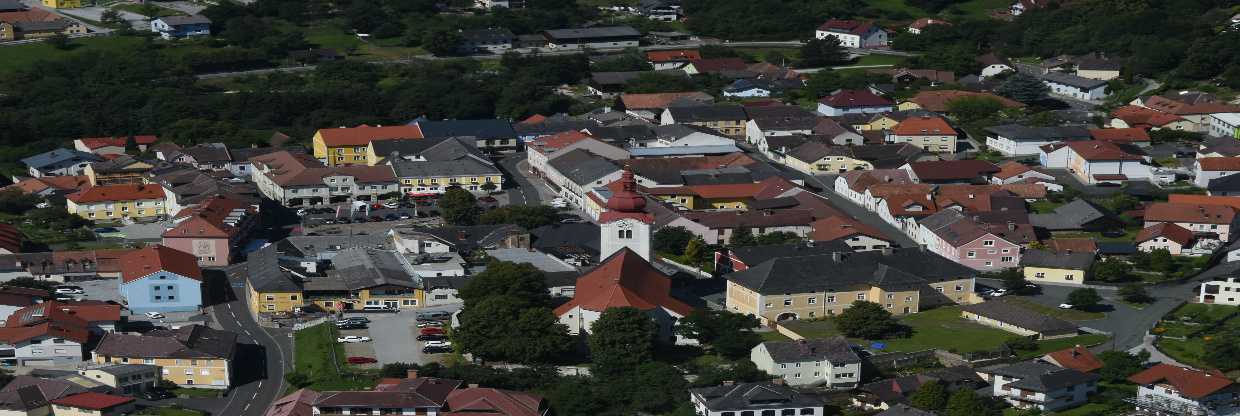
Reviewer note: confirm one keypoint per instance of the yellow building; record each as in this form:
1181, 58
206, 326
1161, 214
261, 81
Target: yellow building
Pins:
191, 356
124, 169
274, 301
63, 4
348, 145
116, 202
813, 158
365, 277
880, 122
1070, 268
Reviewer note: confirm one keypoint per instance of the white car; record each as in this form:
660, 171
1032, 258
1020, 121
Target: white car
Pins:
391, 205
70, 291
154, 315
1065, 306
999, 293
439, 343
353, 338
429, 324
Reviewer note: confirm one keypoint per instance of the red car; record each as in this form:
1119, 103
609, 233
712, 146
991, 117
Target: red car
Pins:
361, 360
431, 331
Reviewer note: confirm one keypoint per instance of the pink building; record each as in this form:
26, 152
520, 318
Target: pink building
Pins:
212, 230
953, 234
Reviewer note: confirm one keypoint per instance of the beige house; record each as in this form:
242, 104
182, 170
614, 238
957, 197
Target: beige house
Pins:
1066, 268
931, 134
829, 362
727, 119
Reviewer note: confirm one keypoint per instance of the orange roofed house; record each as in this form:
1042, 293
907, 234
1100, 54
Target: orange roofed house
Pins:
1166, 389
1200, 218
347, 145
161, 279
1096, 161
118, 202
212, 230
673, 59
931, 134
53, 333
938, 100
413, 395
295, 179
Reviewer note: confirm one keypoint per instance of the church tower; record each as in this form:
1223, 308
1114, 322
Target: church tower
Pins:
625, 223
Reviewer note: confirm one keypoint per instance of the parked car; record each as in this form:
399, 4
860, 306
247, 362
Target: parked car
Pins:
431, 349
106, 230
361, 319
361, 360
433, 316
154, 315
1065, 306
432, 337
405, 216
430, 324
69, 290
156, 394
998, 293
376, 218
352, 339
439, 343
572, 220
431, 330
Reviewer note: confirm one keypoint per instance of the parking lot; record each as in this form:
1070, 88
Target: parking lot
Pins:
393, 338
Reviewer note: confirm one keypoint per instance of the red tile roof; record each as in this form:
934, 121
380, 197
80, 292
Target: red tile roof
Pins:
1080, 245
1171, 106
661, 100
834, 228
121, 192
364, 134
1128, 135
92, 401
855, 27
10, 238
1190, 213
143, 262
93, 143
299, 169
1192, 383
1143, 117
1097, 150
207, 218
624, 279
1077, 358
486, 401
855, 98
1178, 234
57, 183
31, 15
924, 126
53, 318
937, 101
925, 22
557, 141
718, 64
1220, 163
1011, 168
673, 55
1228, 201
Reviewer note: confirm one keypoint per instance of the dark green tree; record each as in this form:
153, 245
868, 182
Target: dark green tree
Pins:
522, 281
1021, 343
458, 206
671, 240
1023, 88
441, 42
1223, 350
742, 237
59, 41
1084, 298
1112, 270
868, 320
970, 109
1135, 293
1117, 366
823, 52
1161, 260
727, 333
966, 402
932, 396
529, 335
14, 201
527, 216
776, 238
620, 341
31, 283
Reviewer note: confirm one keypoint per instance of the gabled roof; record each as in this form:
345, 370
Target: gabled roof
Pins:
1127, 135
1097, 150
98, 142
592, 32
1229, 183
954, 227
923, 126
1226, 201
753, 255
1077, 358
483, 128
624, 279
678, 55
1041, 377
753, 397
56, 183
855, 98
1195, 384
298, 403
1080, 260
1071, 216
1190, 213
93, 401
1143, 117
216, 217
194, 19
57, 156
364, 134
1020, 317
1171, 231
422, 392
664, 100
143, 262
191, 341
949, 170
119, 192
835, 349
707, 113
1172, 106
898, 269
938, 100
853, 27
837, 227
718, 64
1219, 163
486, 401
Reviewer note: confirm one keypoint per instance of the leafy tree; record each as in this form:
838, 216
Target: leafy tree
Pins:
458, 206
742, 237
656, 82
1023, 88
1120, 202
1174, 136
297, 379
776, 238
931, 396
868, 320
621, 340
823, 52
111, 17
970, 109
1223, 350
697, 252
741, 371
631, 60
441, 42
652, 388
1021, 344
1117, 366
16, 202
728, 333
1084, 298
672, 240
966, 402
489, 187
1161, 260
1013, 280
1135, 293
1112, 270
527, 216
522, 281
31, 283
530, 335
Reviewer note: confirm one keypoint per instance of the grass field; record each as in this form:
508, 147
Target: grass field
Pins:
974, 9
1065, 314
318, 356
941, 328
1201, 312
1190, 351
168, 411
23, 56
155, 11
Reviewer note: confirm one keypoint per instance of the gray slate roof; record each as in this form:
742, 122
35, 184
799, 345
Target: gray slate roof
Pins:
314, 245
195, 19
59, 156
753, 255
1050, 259
1071, 216
1041, 377
1021, 318
592, 32
1073, 80
582, 167
465, 239
465, 166
753, 396
835, 350
192, 341
264, 273
1020, 132
707, 113
486, 128
903, 269
490, 35
1229, 183
360, 268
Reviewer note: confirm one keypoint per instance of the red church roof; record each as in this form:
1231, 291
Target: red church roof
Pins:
624, 279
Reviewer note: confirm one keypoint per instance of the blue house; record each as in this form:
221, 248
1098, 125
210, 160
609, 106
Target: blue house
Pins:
177, 27
161, 279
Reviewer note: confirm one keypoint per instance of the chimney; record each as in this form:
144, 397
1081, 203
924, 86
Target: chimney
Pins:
411, 374
1076, 350
1068, 251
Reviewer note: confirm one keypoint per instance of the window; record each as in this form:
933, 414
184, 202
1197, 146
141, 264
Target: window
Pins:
788, 302
989, 263
891, 296
205, 372
939, 289
1039, 275
1068, 277
807, 411
812, 300
830, 299
148, 361
988, 243
908, 298
788, 412
972, 254
269, 297
1005, 259
796, 375
959, 288
860, 296
783, 366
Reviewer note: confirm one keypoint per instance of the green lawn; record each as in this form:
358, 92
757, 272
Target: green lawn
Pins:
168, 411
197, 393
941, 328
1088, 409
1188, 351
155, 11
23, 56
1201, 312
970, 9
318, 356
1065, 314
1044, 206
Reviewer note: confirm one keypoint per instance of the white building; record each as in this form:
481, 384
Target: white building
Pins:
1021, 140
828, 362
1222, 292
1073, 86
1166, 390
762, 398
300, 180
1225, 125
1038, 385
853, 33
1209, 168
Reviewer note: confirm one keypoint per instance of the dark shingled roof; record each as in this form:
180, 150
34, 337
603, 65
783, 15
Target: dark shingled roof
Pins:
753, 397
754, 255
264, 273
191, 341
903, 269
1020, 317
901, 409
1041, 377
834, 349
705, 113
1050, 259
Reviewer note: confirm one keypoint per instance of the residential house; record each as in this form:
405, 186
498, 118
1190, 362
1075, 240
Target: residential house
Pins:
51, 185
298, 180
774, 121
1198, 218
1226, 186
853, 33
21, 24
894, 393
541, 150
931, 134
124, 202
1015, 172
161, 279
1210, 168
447, 164
576, 172
753, 398
113, 145
366, 276
1067, 267
597, 37
128, 379
271, 287
854, 102
1225, 125
660, 10
121, 170
1041, 386
755, 88
1077, 215
827, 362
1075, 86
1021, 140
93, 404
1095, 161
185, 186
70, 266
727, 119
672, 59
1131, 116
190, 356
937, 100
489, 40
45, 334
1018, 320
1196, 109
902, 280
688, 136
1133, 136
1075, 357
957, 236
993, 64
650, 106
213, 230
347, 145
204, 156
464, 240
924, 22
725, 67
740, 258
814, 157
181, 27
718, 227
950, 171
1166, 389
1177, 240
413, 395
1223, 291
491, 136
59, 162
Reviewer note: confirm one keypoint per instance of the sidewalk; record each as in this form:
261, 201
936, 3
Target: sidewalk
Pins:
1156, 356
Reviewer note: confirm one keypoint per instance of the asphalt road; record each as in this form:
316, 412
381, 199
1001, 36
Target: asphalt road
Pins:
262, 357
525, 191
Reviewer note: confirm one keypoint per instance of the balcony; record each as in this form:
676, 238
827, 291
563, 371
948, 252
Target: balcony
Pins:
1170, 407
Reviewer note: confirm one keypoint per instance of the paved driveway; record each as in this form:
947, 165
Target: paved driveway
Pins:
95, 13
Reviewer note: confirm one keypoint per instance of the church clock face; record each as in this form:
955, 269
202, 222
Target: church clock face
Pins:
624, 225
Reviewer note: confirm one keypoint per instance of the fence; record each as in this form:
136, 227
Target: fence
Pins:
313, 322
895, 360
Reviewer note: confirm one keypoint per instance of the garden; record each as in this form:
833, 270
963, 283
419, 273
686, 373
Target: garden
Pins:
1201, 335
319, 362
